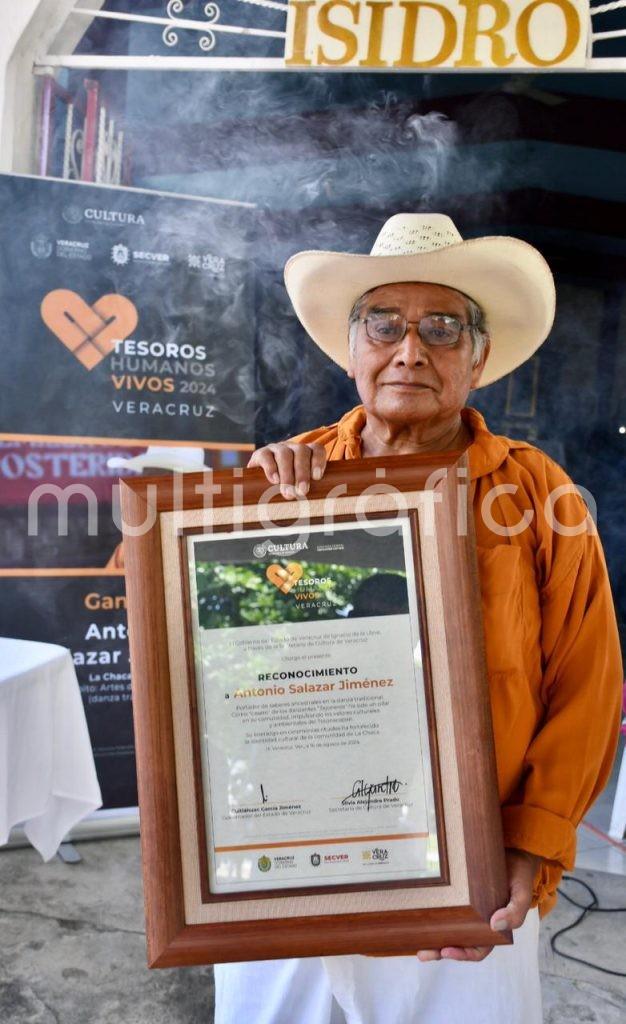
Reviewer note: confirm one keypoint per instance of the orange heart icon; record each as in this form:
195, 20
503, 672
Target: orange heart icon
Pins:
286, 578
90, 332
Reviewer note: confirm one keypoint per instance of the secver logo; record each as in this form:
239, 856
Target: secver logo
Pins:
266, 547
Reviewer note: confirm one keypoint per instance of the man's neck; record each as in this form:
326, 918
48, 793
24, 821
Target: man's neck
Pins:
379, 437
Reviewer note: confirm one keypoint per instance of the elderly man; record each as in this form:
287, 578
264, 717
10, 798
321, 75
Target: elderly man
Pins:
418, 323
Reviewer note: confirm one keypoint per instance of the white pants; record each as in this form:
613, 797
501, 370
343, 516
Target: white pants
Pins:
504, 987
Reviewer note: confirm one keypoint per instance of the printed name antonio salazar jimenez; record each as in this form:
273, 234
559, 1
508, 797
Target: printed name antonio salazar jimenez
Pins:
275, 690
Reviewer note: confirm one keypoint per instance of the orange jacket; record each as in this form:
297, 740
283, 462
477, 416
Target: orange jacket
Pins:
552, 646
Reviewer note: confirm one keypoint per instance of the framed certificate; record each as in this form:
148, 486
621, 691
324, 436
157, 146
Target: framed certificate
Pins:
314, 749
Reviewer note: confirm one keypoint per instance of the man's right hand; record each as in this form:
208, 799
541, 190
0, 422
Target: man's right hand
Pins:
292, 465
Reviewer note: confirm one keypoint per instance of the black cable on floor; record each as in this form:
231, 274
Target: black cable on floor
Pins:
587, 908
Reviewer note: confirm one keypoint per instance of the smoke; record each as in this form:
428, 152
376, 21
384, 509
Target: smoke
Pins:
436, 138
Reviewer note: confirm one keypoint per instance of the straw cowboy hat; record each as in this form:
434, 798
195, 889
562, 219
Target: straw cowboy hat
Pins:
506, 276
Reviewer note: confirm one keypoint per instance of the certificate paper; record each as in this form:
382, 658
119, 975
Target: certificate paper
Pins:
314, 742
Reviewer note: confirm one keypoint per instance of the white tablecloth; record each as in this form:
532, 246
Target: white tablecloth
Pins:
47, 772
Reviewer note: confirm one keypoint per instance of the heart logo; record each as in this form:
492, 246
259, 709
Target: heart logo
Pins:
90, 332
285, 578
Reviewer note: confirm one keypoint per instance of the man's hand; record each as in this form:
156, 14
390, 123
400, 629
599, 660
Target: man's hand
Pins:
291, 465
521, 869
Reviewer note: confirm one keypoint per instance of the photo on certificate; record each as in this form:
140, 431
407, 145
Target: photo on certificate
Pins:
312, 707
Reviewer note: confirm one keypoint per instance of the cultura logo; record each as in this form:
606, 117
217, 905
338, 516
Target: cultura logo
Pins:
266, 547
316, 860
264, 863
89, 332
114, 216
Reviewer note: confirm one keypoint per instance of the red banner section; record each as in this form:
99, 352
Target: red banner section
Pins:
26, 465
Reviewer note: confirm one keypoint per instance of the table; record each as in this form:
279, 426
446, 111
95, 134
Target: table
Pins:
47, 772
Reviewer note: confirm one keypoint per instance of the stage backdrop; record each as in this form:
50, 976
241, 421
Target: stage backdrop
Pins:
128, 320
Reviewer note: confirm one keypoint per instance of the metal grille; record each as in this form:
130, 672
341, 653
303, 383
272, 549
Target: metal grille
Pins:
188, 43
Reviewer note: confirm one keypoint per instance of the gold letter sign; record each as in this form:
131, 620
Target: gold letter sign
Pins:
427, 34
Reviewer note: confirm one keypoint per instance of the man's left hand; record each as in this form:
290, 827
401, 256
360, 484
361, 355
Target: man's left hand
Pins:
521, 870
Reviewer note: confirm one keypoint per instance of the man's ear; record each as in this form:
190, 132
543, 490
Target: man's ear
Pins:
480, 365
350, 368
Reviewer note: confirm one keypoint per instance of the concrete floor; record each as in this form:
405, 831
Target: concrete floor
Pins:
72, 948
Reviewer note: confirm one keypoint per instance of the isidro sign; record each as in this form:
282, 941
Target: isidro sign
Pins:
427, 34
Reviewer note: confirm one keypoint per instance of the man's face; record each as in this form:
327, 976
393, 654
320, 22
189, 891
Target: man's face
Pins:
410, 381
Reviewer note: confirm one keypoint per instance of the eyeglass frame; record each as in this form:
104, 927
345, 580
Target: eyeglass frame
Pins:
408, 323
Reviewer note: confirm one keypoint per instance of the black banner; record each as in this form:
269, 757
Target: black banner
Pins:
132, 315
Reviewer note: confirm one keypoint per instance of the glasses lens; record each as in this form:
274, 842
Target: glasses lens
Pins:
440, 330
388, 327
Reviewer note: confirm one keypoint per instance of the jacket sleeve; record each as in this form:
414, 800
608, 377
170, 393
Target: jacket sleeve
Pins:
570, 758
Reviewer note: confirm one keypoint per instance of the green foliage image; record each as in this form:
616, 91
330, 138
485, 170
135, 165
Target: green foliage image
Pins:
241, 595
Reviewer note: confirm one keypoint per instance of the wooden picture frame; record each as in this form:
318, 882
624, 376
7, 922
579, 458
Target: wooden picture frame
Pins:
189, 919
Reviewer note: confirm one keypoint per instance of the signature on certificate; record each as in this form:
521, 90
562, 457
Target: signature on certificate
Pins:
361, 788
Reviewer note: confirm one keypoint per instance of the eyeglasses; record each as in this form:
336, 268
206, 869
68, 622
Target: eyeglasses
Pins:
437, 330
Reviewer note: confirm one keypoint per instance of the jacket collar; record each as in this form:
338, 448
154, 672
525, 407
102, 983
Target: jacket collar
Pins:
486, 452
